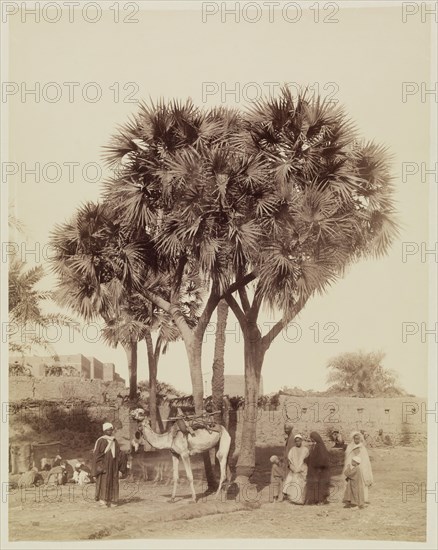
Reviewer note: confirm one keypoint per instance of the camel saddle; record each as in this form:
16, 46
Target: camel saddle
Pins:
190, 427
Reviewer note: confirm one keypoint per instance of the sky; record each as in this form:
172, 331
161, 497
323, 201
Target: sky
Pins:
362, 61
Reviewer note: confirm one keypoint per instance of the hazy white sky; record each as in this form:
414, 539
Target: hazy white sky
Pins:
362, 61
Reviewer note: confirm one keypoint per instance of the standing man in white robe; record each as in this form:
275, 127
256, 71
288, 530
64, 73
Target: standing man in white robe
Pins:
294, 488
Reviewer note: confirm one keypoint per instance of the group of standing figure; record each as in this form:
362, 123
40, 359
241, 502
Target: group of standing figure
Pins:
305, 476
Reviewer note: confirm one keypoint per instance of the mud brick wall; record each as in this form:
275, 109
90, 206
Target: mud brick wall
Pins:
402, 419
21, 387
60, 388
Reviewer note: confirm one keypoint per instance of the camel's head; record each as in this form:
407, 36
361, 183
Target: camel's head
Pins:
138, 414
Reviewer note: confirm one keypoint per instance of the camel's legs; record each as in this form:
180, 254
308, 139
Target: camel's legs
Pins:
175, 462
188, 468
222, 456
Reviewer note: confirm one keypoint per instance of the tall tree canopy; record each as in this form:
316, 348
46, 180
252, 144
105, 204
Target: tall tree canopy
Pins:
263, 208
30, 325
267, 207
363, 375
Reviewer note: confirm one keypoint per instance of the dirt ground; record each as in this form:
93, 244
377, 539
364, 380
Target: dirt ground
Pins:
145, 511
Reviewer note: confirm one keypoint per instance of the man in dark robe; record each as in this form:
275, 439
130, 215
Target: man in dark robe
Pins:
107, 462
289, 443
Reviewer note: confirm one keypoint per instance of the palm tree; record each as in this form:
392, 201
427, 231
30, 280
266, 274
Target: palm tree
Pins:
362, 374
327, 202
26, 308
89, 259
173, 165
283, 198
217, 381
86, 262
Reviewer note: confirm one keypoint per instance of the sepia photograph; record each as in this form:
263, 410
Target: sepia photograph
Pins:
219, 257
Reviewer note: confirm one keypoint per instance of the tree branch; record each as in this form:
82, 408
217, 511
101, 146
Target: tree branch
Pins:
210, 306
157, 300
239, 284
255, 308
174, 311
246, 306
279, 326
157, 351
237, 310
178, 276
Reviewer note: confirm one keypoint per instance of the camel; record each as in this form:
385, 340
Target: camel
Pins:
183, 446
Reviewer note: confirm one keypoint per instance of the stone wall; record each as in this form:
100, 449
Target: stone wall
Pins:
402, 419
96, 368
108, 371
58, 388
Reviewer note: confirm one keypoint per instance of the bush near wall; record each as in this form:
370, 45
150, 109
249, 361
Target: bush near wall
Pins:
77, 424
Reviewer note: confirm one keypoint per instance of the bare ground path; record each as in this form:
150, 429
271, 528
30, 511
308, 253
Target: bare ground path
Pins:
146, 513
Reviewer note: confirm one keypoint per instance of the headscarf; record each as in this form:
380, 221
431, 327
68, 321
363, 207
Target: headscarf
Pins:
359, 450
290, 439
319, 456
288, 426
111, 444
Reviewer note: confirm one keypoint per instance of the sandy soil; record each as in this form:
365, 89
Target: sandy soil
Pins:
145, 511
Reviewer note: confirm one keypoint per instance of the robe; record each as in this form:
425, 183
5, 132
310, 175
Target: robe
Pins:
318, 473
359, 449
106, 470
295, 483
276, 479
81, 477
290, 442
354, 492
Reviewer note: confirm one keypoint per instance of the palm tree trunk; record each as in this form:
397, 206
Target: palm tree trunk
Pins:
152, 380
254, 355
194, 352
217, 381
131, 354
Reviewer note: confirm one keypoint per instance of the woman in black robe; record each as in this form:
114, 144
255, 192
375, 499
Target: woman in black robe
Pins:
318, 473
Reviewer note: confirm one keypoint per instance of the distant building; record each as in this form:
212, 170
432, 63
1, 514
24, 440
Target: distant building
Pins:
37, 364
89, 368
96, 368
118, 378
234, 385
108, 372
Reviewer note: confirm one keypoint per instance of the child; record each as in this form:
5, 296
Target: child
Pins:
277, 472
80, 475
354, 492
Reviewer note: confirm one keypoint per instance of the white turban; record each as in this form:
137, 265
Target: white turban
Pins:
298, 436
107, 426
